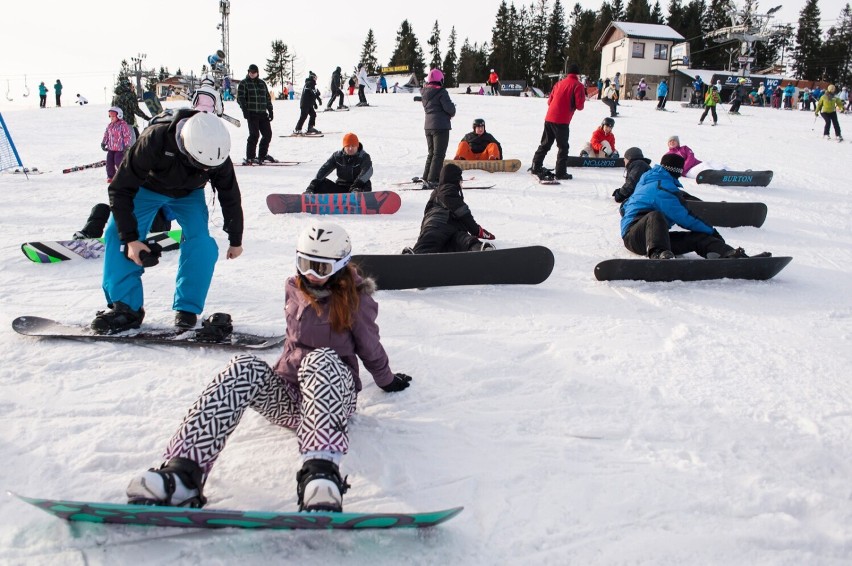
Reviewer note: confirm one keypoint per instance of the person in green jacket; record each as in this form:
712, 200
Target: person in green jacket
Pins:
711, 99
57, 86
42, 95
827, 106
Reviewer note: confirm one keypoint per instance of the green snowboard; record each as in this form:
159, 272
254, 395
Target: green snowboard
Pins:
184, 517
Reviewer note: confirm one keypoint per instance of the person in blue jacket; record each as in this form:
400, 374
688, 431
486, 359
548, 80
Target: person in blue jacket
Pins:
657, 204
698, 90
789, 91
662, 92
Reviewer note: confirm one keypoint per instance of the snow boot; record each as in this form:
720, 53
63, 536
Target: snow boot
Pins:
313, 131
661, 254
185, 320
407, 251
487, 247
179, 483
118, 318
215, 328
320, 487
269, 159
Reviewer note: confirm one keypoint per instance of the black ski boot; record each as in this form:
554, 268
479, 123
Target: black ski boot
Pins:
185, 320
215, 328
320, 487
118, 318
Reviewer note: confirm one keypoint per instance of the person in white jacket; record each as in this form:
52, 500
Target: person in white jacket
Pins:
362, 85
206, 98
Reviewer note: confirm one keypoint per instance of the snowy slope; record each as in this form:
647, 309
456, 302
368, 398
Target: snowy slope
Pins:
577, 421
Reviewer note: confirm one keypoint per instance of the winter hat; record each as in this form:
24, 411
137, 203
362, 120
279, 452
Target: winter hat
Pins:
831, 88
673, 163
573, 69
118, 112
350, 139
253, 68
674, 138
435, 76
634, 153
451, 173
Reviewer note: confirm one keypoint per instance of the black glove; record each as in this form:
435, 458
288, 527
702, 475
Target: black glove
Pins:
400, 382
270, 115
104, 146
312, 187
357, 187
618, 195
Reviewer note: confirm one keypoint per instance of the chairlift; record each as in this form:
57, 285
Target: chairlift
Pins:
26, 87
8, 88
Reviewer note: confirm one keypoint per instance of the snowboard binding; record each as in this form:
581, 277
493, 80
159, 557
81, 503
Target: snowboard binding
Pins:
215, 328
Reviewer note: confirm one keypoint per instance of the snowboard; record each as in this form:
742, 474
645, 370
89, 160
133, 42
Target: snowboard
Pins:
88, 166
490, 165
302, 136
515, 266
376, 202
91, 248
723, 178
46, 328
186, 517
152, 102
729, 214
760, 268
465, 188
574, 161
271, 164
545, 180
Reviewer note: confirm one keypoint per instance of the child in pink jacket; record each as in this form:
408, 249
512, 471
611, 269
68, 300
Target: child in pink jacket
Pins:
117, 138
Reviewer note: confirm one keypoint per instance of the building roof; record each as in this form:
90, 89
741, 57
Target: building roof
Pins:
638, 31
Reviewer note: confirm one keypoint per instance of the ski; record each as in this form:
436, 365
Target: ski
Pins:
88, 166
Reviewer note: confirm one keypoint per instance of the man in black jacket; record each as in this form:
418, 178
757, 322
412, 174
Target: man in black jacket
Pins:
635, 165
448, 224
308, 104
169, 164
336, 89
353, 166
256, 104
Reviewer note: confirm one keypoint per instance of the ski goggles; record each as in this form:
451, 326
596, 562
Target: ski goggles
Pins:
319, 267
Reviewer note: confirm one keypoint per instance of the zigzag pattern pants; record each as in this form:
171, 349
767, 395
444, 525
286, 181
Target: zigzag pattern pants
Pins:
318, 409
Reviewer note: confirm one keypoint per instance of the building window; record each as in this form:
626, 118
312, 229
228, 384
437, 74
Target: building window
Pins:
661, 51
614, 53
638, 50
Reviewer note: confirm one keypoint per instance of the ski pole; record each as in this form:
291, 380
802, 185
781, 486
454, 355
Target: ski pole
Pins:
815, 119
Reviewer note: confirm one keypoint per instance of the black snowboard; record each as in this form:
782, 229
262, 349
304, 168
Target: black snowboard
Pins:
529, 266
46, 328
574, 161
734, 178
729, 214
761, 268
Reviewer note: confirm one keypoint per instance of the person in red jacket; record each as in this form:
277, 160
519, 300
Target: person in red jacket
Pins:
494, 81
567, 96
602, 143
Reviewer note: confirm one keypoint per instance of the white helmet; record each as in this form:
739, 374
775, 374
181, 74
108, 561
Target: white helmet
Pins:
323, 249
118, 111
207, 80
206, 140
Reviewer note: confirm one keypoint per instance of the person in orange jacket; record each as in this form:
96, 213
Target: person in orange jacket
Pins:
494, 81
602, 143
479, 145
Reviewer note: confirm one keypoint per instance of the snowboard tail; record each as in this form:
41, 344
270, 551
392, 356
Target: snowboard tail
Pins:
45, 328
574, 161
376, 202
756, 268
734, 178
490, 165
516, 266
729, 214
185, 517
90, 248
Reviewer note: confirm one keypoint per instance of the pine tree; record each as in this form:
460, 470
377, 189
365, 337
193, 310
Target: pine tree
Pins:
435, 47
617, 11
368, 53
501, 56
604, 17
278, 67
808, 43
657, 14
556, 39
675, 19
690, 28
716, 16
408, 51
836, 54
536, 37
472, 63
451, 61
581, 42
638, 11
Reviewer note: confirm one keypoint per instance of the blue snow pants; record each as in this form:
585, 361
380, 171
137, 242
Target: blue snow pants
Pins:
198, 252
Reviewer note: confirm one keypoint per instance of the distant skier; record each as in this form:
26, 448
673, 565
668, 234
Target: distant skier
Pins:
711, 99
363, 83
57, 88
42, 95
336, 89
494, 82
737, 96
81, 100
256, 104
308, 105
827, 107
662, 93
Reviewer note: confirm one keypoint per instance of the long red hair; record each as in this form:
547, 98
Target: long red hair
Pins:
343, 301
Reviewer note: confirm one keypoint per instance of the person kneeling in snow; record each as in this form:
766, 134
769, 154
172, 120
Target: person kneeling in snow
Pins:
692, 166
635, 165
448, 225
479, 145
656, 205
602, 143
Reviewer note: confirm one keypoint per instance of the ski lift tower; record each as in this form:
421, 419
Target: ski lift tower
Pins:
748, 28
225, 10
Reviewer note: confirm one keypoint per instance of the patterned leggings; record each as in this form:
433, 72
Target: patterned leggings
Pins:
318, 409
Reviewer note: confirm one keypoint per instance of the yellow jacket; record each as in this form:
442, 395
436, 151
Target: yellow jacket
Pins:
828, 104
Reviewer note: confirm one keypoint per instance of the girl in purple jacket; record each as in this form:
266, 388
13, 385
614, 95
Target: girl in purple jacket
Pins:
117, 137
312, 389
